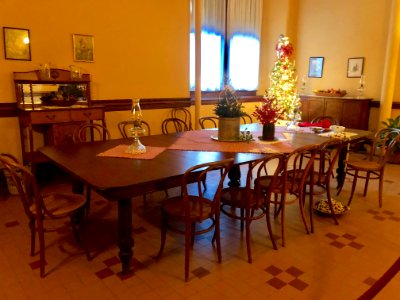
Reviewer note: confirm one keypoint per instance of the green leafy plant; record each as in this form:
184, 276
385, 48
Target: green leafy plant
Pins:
394, 126
228, 105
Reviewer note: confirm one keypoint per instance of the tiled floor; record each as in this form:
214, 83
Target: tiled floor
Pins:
336, 262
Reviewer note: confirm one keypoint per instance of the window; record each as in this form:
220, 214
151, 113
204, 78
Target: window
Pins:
230, 44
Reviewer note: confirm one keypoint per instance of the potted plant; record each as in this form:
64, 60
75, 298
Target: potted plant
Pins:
229, 110
394, 126
268, 113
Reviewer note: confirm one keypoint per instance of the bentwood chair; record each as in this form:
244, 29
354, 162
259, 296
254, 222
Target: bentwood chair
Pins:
170, 125
183, 114
246, 118
292, 181
125, 126
372, 167
208, 122
326, 167
39, 207
181, 213
90, 132
331, 120
247, 203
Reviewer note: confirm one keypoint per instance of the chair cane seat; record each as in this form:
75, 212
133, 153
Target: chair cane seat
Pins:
61, 205
199, 208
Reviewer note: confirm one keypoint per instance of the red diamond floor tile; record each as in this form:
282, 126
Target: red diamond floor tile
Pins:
276, 283
11, 224
298, 284
200, 272
294, 271
104, 273
273, 270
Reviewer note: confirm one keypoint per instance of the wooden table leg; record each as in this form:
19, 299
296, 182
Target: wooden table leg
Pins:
125, 240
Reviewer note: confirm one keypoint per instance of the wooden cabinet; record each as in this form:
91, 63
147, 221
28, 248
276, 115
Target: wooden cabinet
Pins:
57, 126
350, 112
53, 104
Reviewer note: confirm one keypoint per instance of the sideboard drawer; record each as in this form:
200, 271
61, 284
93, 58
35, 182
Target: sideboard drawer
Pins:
48, 117
87, 114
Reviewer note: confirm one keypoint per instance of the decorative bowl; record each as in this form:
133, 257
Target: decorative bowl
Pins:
328, 93
54, 101
337, 128
317, 129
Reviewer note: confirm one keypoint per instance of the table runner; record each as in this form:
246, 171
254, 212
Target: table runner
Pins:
203, 140
119, 151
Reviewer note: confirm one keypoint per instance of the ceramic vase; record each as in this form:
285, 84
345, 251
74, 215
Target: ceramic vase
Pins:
268, 133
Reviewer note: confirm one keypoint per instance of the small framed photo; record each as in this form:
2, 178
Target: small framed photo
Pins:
315, 67
83, 47
17, 44
355, 67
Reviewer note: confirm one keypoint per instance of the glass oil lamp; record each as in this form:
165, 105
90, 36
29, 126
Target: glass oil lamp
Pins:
136, 131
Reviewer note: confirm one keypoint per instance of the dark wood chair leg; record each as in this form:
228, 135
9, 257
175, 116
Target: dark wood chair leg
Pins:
353, 187
164, 222
268, 219
248, 239
188, 237
33, 235
366, 183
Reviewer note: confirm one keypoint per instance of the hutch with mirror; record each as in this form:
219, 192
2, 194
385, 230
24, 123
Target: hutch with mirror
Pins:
52, 102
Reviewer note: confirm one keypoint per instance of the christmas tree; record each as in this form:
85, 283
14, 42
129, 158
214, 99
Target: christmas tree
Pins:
283, 80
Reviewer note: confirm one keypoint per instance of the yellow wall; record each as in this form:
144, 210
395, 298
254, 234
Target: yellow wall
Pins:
338, 30
142, 47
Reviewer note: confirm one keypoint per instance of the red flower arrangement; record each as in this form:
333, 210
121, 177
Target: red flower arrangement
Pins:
269, 112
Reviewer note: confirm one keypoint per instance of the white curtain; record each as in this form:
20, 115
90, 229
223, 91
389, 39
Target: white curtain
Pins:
244, 29
244, 16
243, 20
214, 16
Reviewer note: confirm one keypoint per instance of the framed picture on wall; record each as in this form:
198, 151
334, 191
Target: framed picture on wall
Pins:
355, 67
315, 67
83, 47
17, 44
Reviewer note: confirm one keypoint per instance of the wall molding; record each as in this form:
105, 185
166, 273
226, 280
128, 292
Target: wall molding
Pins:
9, 109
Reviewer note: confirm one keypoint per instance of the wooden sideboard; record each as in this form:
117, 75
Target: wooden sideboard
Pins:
52, 102
350, 112
56, 124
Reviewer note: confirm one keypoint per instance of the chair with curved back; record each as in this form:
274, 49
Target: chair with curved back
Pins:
40, 207
193, 206
246, 119
332, 120
125, 126
247, 203
170, 125
183, 114
292, 181
89, 132
208, 122
372, 166
326, 167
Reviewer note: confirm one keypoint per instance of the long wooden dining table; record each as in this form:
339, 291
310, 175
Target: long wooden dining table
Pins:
119, 179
